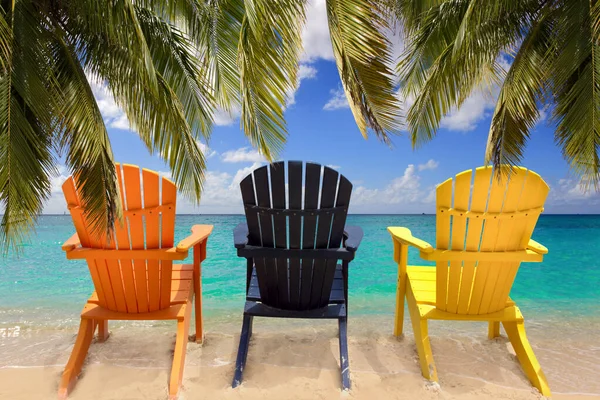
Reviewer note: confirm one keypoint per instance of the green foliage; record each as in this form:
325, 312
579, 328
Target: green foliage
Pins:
456, 46
169, 65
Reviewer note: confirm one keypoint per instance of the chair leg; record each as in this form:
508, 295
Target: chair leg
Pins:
102, 330
198, 294
80, 350
533, 370
183, 328
400, 296
493, 329
421, 333
344, 362
240, 363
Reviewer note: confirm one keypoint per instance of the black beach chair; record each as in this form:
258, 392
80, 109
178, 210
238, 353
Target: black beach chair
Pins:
292, 250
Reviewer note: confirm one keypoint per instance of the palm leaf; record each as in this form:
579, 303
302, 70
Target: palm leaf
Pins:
82, 135
268, 53
363, 56
26, 105
517, 108
575, 83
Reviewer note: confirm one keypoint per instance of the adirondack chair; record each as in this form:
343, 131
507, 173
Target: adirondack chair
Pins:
296, 274
479, 247
135, 279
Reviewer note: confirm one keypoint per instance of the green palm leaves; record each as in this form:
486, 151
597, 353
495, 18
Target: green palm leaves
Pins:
456, 46
169, 65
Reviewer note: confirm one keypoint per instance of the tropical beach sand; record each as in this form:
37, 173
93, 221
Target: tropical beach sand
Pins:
291, 360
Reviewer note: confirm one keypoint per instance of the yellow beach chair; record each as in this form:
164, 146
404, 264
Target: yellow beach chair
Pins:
133, 272
481, 239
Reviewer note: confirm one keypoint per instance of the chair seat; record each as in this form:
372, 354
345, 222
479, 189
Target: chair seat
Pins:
181, 284
423, 284
337, 289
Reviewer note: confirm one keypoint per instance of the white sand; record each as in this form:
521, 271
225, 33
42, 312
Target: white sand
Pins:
288, 361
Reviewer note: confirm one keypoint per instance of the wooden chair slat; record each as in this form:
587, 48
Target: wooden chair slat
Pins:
324, 270
116, 279
151, 199
462, 185
266, 267
169, 196
131, 174
481, 183
277, 171
312, 182
295, 228
123, 243
487, 271
442, 222
506, 229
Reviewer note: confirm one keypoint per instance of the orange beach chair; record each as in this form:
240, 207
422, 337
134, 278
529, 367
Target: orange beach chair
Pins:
135, 278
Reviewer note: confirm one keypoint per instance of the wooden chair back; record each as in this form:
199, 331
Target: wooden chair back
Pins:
480, 212
140, 285
306, 211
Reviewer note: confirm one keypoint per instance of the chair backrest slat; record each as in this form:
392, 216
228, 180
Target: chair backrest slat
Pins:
168, 196
324, 270
312, 181
277, 172
123, 243
295, 228
152, 200
125, 285
133, 196
292, 283
481, 287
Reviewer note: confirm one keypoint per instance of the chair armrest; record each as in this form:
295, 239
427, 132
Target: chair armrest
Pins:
133, 254
71, 243
404, 236
273, 252
353, 235
240, 235
536, 247
199, 234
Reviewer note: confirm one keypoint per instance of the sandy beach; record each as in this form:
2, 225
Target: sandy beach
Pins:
291, 360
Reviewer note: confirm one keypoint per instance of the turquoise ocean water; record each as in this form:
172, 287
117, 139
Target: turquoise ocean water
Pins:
42, 291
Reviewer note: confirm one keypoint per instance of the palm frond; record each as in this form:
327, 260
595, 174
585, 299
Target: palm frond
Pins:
575, 83
268, 53
363, 56
26, 104
83, 137
521, 93
455, 52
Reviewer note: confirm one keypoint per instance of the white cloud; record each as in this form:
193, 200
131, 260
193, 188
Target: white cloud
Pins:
113, 116
402, 194
333, 166
56, 203
244, 154
305, 71
474, 109
315, 36
338, 100
221, 193
223, 117
431, 164
207, 151
242, 173
570, 190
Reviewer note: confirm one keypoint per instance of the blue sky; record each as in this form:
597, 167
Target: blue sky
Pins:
321, 129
